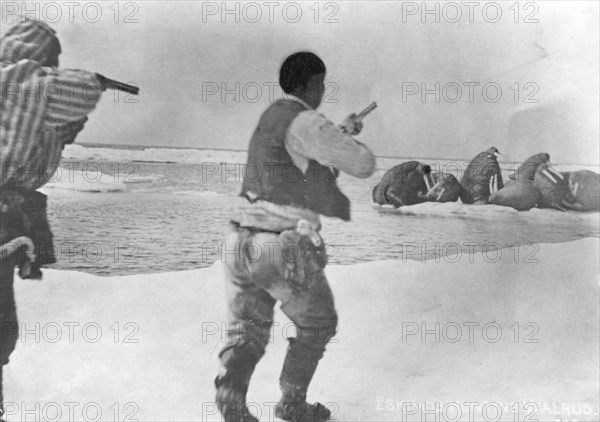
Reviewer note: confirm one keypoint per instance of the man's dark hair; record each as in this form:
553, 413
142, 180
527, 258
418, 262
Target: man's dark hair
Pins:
297, 70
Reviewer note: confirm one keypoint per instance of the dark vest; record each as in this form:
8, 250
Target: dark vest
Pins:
271, 175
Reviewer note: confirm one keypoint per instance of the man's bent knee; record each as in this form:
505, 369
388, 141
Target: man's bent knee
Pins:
319, 333
249, 336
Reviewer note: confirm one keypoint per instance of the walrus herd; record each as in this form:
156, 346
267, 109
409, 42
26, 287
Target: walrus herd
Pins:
535, 183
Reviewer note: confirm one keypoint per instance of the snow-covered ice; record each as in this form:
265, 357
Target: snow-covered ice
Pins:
534, 339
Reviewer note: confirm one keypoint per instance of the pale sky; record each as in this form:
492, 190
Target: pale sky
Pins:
180, 52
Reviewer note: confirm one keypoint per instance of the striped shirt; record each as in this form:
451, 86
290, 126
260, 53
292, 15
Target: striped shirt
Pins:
41, 107
310, 136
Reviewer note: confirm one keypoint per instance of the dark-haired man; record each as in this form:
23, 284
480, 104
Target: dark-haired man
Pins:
288, 182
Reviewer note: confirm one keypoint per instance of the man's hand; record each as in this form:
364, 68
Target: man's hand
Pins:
104, 84
352, 125
21, 243
67, 133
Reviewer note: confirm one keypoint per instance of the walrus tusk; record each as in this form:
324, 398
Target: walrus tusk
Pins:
11, 247
427, 182
433, 188
493, 184
555, 172
440, 195
575, 188
550, 167
549, 176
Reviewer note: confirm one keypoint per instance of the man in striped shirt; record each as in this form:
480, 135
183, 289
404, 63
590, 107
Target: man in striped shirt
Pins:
294, 157
42, 108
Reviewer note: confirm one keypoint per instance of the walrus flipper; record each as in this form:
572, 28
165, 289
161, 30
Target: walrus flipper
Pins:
393, 197
377, 196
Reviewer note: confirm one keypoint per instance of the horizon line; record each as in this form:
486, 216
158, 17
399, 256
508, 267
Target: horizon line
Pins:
141, 146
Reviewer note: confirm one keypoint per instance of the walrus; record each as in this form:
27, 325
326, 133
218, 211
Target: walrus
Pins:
526, 171
447, 188
553, 187
404, 184
521, 193
520, 196
584, 186
482, 177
